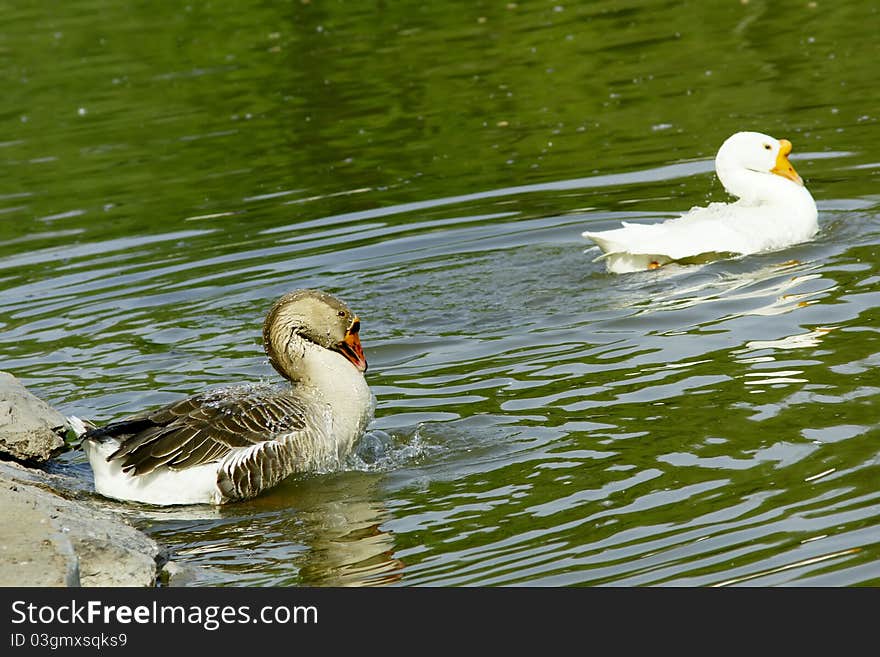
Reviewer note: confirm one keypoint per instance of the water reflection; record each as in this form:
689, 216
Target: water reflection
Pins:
798, 341
322, 530
774, 286
348, 545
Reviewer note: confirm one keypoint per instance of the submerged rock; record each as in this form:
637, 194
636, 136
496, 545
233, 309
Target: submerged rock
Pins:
30, 429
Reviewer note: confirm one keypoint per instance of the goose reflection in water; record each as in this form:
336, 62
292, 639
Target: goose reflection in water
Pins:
324, 530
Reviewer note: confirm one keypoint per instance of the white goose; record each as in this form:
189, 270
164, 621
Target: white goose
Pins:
233, 443
774, 210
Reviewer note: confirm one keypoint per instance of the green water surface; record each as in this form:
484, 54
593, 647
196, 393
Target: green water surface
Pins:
168, 170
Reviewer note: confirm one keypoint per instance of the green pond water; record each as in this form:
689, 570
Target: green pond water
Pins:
169, 170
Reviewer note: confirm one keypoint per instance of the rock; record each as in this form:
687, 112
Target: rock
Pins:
175, 574
49, 540
32, 551
30, 429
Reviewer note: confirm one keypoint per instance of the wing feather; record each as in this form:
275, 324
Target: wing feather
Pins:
204, 428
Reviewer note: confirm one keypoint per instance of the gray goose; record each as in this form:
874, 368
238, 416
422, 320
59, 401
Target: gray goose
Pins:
232, 443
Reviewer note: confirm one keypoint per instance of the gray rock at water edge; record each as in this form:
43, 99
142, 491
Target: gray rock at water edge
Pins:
32, 550
48, 540
30, 429
176, 574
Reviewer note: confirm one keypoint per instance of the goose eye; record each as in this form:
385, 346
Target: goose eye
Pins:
767, 147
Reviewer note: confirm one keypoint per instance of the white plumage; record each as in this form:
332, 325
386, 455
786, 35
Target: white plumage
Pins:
774, 211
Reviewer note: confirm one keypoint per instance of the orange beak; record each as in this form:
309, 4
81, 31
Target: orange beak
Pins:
351, 348
783, 166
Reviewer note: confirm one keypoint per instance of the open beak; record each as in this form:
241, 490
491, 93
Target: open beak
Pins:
783, 166
351, 348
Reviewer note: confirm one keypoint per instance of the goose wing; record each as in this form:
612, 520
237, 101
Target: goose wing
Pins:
713, 229
201, 429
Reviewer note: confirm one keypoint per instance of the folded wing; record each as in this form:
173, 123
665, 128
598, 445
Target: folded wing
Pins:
202, 429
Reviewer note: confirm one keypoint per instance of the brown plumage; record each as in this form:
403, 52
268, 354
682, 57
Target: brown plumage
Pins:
203, 428
256, 435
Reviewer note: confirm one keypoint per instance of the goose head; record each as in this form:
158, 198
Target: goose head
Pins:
755, 168
306, 322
